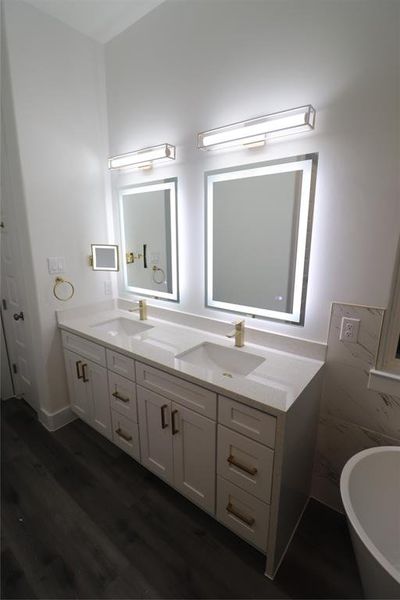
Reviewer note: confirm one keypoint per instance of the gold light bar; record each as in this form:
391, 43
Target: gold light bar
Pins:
142, 159
255, 132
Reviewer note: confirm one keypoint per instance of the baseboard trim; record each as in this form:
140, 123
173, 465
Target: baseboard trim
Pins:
56, 420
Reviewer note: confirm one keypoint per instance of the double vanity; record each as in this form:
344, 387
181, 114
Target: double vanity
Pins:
232, 429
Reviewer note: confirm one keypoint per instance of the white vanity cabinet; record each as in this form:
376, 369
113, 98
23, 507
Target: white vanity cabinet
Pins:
178, 445
87, 385
248, 468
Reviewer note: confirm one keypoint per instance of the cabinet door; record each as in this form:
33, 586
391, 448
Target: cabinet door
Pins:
78, 393
96, 382
194, 456
155, 433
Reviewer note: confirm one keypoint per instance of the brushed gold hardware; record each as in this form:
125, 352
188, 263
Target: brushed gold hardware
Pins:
238, 334
232, 461
236, 513
59, 281
174, 427
78, 374
123, 435
90, 260
84, 373
117, 395
160, 278
254, 144
164, 424
131, 257
227, 375
142, 308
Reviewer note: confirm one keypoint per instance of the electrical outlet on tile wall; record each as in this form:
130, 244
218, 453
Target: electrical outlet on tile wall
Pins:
349, 330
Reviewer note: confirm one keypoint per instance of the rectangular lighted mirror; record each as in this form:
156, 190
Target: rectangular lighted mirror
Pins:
149, 238
258, 230
104, 257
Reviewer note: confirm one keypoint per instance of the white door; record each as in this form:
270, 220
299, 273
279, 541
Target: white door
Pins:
14, 313
96, 382
194, 456
78, 392
155, 433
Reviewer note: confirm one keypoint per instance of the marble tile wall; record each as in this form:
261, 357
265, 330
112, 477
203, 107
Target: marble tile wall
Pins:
352, 416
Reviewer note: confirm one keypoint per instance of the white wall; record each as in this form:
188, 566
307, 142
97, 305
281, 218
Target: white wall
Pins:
57, 81
190, 66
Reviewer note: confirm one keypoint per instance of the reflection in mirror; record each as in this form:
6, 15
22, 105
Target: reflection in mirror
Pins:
104, 257
258, 220
149, 239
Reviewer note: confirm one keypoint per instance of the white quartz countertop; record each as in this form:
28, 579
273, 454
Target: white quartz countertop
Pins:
272, 387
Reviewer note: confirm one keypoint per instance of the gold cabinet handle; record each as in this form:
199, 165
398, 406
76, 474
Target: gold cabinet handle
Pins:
232, 461
78, 373
123, 435
117, 395
236, 513
164, 423
174, 427
84, 373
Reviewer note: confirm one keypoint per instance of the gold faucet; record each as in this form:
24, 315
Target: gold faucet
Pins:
238, 333
142, 308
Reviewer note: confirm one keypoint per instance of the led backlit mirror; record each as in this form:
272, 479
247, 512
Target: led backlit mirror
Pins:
149, 239
258, 230
104, 257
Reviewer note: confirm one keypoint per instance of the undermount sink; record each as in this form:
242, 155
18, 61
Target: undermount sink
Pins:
229, 361
121, 326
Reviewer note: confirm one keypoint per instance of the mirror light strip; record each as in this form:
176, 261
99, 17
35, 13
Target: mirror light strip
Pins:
259, 129
142, 158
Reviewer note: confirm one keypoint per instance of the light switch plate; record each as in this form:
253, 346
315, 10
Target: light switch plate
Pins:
56, 264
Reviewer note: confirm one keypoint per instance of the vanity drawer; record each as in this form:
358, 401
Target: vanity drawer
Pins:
245, 463
120, 364
244, 514
192, 396
122, 395
251, 422
84, 348
126, 434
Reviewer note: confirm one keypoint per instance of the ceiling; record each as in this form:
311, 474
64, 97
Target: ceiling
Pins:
99, 19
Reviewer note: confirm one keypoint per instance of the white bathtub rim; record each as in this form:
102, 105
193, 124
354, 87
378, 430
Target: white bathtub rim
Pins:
351, 515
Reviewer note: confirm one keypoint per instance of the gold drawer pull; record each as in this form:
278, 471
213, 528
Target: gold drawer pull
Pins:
84, 373
118, 397
174, 427
232, 461
123, 435
233, 511
78, 373
164, 423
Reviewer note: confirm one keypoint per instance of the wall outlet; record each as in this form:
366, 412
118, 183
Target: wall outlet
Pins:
107, 288
349, 330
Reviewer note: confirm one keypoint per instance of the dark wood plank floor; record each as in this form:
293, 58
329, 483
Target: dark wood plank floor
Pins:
81, 519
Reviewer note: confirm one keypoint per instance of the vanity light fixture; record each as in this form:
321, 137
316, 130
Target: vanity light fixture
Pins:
142, 159
255, 132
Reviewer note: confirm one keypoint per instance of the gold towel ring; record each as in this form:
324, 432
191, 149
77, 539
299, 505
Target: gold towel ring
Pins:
157, 279
60, 280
